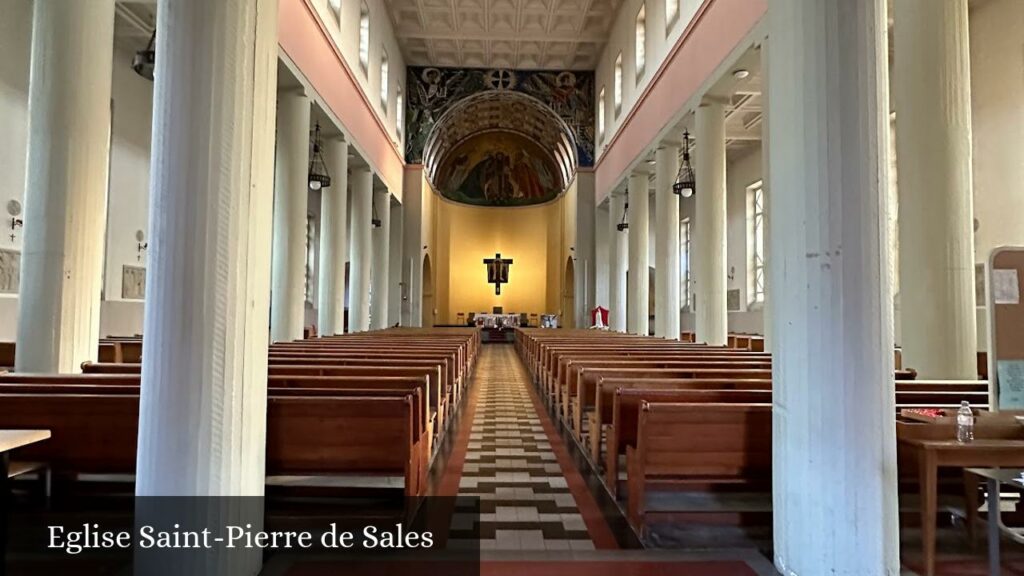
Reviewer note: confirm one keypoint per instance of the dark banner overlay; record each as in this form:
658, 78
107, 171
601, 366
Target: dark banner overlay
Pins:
304, 535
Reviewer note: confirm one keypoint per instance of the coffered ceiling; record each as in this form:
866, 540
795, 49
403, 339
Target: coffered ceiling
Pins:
521, 34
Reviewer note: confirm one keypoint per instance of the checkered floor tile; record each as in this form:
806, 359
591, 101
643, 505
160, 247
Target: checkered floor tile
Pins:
525, 503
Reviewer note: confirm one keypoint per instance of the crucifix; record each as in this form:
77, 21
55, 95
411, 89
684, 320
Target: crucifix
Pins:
497, 271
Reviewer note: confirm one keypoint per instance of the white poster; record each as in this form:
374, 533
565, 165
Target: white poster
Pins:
1005, 287
1011, 384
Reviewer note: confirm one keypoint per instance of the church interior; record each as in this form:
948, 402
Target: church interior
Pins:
697, 287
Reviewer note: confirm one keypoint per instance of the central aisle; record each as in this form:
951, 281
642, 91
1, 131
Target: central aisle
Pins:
531, 496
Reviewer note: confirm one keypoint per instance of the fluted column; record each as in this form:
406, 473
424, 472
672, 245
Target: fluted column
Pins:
618, 252
766, 311
291, 199
666, 245
932, 93
333, 240
65, 185
834, 445
361, 247
639, 260
381, 268
710, 242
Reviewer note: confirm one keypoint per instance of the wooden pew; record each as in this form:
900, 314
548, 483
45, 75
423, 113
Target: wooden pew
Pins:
705, 443
622, 434
96, 433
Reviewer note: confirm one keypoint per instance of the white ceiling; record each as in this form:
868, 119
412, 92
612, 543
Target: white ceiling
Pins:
521, 34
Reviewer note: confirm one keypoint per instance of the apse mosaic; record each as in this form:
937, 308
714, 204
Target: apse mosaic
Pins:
432, 91
498, 169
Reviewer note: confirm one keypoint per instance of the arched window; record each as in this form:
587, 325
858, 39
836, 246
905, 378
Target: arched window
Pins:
399, 112
600, 115
384, 92
755, 243
364, 36
640, 38
617, 88
310, 256
684, 265
671, 13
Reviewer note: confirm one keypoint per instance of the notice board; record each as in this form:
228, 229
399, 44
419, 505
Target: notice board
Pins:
1005, 279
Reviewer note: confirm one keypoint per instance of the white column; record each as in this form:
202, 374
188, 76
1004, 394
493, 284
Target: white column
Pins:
710, 242
666, 245
360, 246
381, 267
586, 244
766, 311
204, 374
932, 92
333, 240
639, 260
395, 266
291, 199
65, 185
834, 445
618, 252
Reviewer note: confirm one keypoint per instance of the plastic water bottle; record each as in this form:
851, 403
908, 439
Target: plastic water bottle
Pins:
964, 423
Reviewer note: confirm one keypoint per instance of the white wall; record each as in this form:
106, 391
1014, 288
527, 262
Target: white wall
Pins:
345, 32
743, 169
660, 37
997, 96
129, 166
15, 44
128, 199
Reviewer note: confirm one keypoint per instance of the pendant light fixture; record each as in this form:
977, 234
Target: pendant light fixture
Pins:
686, 179
319, 177
374, 220
623, 225
144, 62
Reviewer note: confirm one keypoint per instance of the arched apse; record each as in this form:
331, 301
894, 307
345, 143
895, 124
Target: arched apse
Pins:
569, 295
500, 148
428, 306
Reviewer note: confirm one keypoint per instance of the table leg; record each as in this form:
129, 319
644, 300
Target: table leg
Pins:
5, 503
929, 502
993, 527
971, 507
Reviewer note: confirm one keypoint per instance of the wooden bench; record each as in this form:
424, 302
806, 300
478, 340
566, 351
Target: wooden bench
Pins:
705, 443
97, 433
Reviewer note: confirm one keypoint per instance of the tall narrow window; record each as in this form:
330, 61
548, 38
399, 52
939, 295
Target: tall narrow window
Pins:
684, 264
310, 255
384, 80
600, 115
335, 6
755, 243
364, 36
617, 88
399, 112
641, 40
671, 12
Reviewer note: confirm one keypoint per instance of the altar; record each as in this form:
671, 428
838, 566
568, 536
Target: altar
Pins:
496, 320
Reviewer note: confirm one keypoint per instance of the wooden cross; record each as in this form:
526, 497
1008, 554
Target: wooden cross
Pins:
497, 271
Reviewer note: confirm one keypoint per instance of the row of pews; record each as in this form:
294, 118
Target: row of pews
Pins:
651, 413
370, 407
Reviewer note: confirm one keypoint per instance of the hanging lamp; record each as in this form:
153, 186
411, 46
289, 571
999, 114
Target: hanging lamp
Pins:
374, 220
686, 179
319, 177
623, 225
144, 62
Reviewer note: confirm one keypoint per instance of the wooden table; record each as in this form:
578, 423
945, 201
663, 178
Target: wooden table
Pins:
994, 478
933, 454
10, 440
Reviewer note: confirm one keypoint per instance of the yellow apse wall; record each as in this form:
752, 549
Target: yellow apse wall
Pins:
536, 238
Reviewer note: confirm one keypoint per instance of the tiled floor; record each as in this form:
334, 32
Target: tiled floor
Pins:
525, 500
